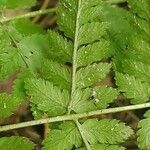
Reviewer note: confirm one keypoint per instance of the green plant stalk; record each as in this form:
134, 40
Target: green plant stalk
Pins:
28, 15
73, 116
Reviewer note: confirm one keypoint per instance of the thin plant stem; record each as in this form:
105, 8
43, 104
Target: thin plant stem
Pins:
43, 7
74, 116
28, 15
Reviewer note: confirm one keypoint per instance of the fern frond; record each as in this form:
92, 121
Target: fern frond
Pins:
78, 41
65, 68
83, 36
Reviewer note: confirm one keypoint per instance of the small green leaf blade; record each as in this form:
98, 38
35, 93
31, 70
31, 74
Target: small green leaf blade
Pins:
103, 96
10, 61
59, 48
56, 73
91, 32
37, 114
144, 132
48, 98
106, 131
91, 74
89, 13
138, 69
81, 101
92, 53
63, 138
8, 104
16, 143
66, 14
133, 88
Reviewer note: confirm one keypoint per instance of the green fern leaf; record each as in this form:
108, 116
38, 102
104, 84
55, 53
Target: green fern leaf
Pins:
93, 53
65, 68
144, 132
10, 61
59, 48
90, 11
63, 48
133, 88
8, 104
138, 69
96, 28
63, 138
91, 74
66, 14
47, 97
37, 114
15, 143
82, 101
104, 96
56, 73
140, 47
105, 131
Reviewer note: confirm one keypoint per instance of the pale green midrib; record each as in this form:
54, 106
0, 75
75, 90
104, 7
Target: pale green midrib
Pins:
73, 86
74, 64
88, 147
